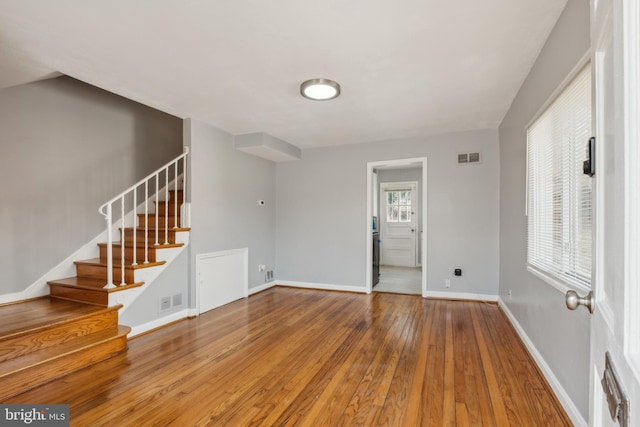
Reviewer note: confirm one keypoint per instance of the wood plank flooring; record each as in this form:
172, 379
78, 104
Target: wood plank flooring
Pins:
38, 313
288, 357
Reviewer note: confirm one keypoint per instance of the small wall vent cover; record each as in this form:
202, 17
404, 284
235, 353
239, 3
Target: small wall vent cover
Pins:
177, 300
466, 158
474, 157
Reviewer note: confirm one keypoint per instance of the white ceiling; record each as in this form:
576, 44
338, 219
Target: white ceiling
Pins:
406, 67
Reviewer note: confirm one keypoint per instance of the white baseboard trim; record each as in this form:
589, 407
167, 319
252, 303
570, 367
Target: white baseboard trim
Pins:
462, 295
17, 296
322, 286
145, 327
261, 288
561, 393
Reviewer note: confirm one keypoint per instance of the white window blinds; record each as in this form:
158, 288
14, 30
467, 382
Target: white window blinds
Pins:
559, 194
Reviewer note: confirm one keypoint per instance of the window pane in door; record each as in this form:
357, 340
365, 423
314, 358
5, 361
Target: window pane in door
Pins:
404, 214
405, 198
392, 214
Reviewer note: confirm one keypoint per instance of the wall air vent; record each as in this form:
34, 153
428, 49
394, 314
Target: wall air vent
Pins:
467, 158
474, 157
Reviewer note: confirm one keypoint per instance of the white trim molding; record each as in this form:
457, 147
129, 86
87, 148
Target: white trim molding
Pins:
321, 286
420, 162
15, 297
156, 323
462, 296
261, 288
561, 393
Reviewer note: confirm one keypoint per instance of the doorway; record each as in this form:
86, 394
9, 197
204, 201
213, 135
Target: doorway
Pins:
396, 209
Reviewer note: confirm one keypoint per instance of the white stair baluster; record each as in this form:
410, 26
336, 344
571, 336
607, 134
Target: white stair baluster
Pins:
166, 206
146, 222
157, 207
122, 282
175, 195
184, 189
135, 226
109, 284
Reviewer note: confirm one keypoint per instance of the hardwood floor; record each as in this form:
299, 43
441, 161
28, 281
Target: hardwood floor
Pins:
302, 357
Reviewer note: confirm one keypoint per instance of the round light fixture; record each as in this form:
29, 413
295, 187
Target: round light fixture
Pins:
320, 89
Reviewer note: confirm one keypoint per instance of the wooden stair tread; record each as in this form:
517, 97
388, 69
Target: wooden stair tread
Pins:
30, 360
161, 216
92, 284
25, 317
161, 229
37, 368
140, 244
152, 227
99, 263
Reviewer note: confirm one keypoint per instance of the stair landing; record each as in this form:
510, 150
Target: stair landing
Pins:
22, 317
46, 338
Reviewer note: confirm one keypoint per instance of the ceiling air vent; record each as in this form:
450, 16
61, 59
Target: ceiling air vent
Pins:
466, 158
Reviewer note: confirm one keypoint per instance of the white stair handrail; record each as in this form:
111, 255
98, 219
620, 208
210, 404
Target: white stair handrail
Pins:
106, 210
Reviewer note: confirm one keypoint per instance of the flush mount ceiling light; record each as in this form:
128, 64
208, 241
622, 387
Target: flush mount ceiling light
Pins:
320, 89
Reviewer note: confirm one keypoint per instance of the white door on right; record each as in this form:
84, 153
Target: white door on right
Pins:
615, 323
398, 223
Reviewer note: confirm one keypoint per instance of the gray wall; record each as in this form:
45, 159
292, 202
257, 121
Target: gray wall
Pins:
225, 187
561, 336
322, 224
172, 281
67, 147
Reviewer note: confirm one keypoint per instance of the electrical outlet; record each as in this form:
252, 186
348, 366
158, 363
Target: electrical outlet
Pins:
165, 303
270, 274
447, 283
509, 293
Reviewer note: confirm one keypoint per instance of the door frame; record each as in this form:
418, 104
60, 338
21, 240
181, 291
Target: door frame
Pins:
631, 19
615, 322
421, 161
416, 208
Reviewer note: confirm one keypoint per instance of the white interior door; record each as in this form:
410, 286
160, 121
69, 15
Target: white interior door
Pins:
222, 278
398, 221
615, 323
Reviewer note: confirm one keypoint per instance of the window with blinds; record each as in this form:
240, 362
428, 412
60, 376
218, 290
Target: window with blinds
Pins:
559, 210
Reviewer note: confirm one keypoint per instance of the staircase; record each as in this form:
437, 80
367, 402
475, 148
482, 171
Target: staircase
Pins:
46, 338
88, 285
77, 324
